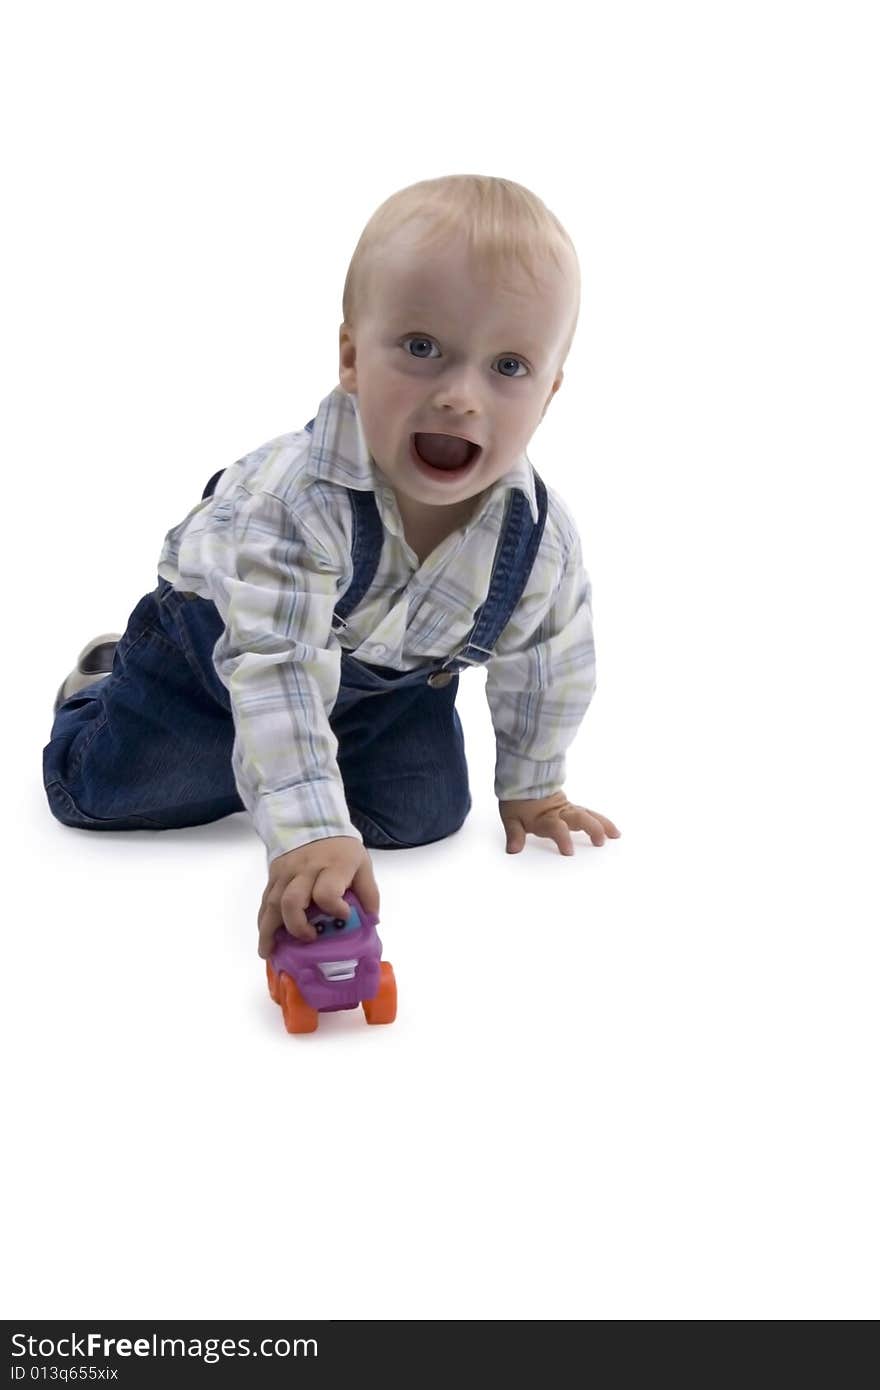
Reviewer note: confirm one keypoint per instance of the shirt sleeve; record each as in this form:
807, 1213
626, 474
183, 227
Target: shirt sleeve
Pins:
275, 587
539, 691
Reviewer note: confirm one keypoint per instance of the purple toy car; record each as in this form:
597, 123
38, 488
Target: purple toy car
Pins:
340, 969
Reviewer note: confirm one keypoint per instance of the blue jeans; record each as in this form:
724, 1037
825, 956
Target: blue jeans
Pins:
149, 747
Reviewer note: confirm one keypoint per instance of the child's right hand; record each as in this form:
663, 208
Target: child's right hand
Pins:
321, 871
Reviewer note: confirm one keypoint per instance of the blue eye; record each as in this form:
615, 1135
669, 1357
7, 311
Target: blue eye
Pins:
511, 359
417, 338
414, 339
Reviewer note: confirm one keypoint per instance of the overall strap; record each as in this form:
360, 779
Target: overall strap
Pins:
366, 549
514, 557
211, 484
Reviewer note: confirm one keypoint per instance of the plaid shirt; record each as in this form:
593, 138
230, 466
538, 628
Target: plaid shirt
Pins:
272, 549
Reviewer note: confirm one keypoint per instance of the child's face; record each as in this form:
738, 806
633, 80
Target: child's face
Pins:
437, 351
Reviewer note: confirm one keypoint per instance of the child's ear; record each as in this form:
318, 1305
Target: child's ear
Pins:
347, 354
553, 389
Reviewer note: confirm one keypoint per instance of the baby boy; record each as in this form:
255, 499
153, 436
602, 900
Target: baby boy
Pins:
300, 655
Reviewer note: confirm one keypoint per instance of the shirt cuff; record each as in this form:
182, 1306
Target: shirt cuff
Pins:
525, 780
296, 816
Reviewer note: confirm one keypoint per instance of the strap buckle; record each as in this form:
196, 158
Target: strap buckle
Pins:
473, 660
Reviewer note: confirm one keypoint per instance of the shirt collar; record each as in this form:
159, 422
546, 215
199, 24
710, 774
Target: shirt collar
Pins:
339, 453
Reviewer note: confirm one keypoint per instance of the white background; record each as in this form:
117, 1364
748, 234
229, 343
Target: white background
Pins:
637, 1083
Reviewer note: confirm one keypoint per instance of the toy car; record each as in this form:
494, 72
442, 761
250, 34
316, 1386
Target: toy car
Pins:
341, 968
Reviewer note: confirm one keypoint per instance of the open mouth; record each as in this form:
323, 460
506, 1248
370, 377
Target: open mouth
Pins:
443, 455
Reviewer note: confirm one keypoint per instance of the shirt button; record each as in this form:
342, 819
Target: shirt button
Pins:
380, 649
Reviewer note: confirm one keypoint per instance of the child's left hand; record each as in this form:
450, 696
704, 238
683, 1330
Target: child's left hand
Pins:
553, 817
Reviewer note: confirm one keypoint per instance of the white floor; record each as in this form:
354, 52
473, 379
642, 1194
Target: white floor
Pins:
634, 1083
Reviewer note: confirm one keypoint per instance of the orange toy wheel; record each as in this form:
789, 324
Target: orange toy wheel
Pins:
273, 982
299, 1017
383, 1009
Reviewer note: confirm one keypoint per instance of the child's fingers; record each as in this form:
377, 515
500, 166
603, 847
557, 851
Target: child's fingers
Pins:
596, 826
560, 832
327, 892
516, 835
607, 825
364, 885
294, 901
589, 823
268, 923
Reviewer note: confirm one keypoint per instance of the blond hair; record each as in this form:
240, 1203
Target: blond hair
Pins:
507, 227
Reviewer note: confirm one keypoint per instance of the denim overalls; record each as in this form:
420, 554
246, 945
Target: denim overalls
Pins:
149, 747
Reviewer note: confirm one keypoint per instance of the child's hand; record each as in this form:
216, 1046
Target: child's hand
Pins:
321, 871
553, 817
